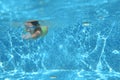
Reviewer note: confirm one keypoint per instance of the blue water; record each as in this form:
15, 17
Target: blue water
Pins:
83, 42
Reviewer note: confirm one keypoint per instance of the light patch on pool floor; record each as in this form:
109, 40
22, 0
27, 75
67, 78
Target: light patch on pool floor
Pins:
115, 52
86, 24
53, 77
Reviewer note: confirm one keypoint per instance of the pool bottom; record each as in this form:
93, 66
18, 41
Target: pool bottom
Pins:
60, 75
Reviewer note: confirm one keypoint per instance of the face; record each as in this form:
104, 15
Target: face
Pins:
28, 24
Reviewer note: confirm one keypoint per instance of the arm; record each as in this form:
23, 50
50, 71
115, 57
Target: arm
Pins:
37, 33
29, 36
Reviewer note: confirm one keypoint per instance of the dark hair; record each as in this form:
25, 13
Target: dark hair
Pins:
35, 23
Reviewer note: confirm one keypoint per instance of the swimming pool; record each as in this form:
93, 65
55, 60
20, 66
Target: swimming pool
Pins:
83, 41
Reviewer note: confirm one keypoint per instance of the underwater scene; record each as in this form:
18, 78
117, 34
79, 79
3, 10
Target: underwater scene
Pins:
82, 42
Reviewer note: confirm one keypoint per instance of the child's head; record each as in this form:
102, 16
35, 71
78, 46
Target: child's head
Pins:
32, 23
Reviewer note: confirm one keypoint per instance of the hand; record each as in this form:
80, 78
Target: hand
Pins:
27, 36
